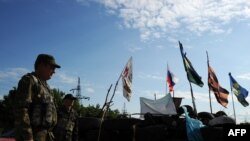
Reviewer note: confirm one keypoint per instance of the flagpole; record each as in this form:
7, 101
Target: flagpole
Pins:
232, 98
167, 80
115, 87
104, 110
209, 92
107, 106
106, 99
210, 102
233, 106
192, 95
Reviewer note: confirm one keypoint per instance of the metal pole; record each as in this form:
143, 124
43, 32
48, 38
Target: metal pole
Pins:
232, 96
210, 102
167, 81
233, 107
192, 95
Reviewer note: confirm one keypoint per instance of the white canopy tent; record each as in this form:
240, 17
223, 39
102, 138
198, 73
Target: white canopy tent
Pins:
165, 105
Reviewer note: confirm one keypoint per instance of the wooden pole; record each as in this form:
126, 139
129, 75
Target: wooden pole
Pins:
107, 105
106, 99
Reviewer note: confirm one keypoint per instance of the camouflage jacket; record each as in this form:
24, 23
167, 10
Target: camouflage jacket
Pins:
35, 108
67, 125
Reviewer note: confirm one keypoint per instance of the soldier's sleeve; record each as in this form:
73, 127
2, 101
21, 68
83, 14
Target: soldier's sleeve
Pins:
24, 93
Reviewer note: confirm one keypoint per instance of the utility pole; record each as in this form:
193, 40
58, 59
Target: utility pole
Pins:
124, 110
78, 92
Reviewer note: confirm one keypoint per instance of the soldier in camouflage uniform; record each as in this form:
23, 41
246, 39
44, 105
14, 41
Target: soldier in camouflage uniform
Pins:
36, 114
67, 125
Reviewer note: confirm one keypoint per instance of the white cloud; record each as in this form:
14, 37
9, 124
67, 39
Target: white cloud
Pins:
243, 117
13, 73
154, 18
90, 90
135, 49
159, 47
83, 2
64, 78
67, 82
149, 76
172, 40
152, 93
198, 96
245, 76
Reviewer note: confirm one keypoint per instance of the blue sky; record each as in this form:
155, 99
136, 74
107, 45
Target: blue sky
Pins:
93, 40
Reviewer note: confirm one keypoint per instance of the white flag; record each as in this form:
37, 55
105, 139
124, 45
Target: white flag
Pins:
127, 79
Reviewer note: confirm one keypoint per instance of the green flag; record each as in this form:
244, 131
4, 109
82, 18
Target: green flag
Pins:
192, 75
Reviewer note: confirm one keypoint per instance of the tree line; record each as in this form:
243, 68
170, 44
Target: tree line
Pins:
7, 115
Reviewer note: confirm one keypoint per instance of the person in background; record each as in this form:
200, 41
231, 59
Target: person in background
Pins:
35, 111
67, 125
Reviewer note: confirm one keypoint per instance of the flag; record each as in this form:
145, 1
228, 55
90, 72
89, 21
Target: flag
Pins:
220, 93
192, 75
127, 79
171, 80
240, 92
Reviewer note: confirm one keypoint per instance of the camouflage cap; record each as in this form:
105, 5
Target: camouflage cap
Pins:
69, 96
48, 59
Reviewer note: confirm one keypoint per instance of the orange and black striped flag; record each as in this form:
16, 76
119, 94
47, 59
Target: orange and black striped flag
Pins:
220, 93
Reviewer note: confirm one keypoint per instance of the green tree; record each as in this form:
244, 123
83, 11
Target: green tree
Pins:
58, 96
95, 111
7, 109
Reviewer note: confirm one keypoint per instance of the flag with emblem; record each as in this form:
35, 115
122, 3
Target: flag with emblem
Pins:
192, 75
240, 92
127, 75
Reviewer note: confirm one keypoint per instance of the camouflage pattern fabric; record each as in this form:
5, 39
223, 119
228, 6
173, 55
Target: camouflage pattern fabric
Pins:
35, 114
67, 125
